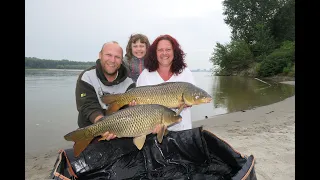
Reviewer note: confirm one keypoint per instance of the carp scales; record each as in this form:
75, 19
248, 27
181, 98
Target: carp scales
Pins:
135, 121
170, 94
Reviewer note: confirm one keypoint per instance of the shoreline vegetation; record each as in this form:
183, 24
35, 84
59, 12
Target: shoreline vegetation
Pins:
267, 132
262, 39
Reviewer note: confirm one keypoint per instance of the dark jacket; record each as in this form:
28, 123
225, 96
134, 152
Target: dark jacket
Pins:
134, 66
91, 84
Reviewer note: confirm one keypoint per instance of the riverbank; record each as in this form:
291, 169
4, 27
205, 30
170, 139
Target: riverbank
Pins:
266, 132
280, 79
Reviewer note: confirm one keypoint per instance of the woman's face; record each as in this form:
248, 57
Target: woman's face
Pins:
165, 53
139, 49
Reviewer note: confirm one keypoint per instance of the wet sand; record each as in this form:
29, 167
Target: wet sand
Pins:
267, 132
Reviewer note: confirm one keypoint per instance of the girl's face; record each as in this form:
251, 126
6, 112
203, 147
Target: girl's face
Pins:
139, 49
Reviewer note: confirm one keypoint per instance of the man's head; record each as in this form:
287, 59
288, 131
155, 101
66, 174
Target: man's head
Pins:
111, 58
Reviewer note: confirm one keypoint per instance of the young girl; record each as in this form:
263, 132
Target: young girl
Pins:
135, 53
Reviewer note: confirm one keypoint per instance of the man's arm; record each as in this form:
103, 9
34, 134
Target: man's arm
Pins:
87, 101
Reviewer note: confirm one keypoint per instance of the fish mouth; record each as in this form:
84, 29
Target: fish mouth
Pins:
204, 100
207, 100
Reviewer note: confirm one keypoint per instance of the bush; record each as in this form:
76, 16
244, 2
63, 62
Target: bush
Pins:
232, 57
279, 61
291, 73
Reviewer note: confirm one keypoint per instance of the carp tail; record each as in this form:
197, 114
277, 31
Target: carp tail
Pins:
80, 140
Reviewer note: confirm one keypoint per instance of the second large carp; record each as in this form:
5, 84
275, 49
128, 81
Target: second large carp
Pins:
135, 121
169, 94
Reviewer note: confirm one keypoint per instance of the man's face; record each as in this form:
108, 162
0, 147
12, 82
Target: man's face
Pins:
111, 58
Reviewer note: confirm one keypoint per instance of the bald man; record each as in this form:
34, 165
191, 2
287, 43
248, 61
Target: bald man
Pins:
107, 76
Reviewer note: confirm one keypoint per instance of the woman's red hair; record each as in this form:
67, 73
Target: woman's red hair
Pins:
178, 64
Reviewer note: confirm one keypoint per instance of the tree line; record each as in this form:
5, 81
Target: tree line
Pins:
262, 39
36, 63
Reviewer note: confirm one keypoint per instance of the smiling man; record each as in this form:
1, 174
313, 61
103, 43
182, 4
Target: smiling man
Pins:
107, 76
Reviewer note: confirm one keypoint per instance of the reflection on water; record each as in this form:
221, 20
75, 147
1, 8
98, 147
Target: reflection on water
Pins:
232, 93
238, 93
50, 108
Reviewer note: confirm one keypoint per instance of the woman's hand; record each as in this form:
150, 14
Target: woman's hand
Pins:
157, 129
186, 106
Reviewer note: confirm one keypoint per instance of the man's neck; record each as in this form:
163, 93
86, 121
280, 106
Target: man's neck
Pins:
111, 78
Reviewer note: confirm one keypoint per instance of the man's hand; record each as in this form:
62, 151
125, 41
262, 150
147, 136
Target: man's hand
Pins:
107, 136
132, 103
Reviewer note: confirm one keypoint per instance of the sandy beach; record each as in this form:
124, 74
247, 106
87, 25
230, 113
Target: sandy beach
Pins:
267, 132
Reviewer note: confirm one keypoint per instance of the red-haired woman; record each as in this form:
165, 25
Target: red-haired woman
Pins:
165, 63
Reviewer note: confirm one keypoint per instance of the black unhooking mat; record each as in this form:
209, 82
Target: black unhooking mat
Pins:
188, 154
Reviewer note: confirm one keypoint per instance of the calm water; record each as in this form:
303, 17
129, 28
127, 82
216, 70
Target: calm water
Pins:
51, 110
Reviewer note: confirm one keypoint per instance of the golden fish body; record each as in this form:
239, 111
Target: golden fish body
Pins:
169, 94
134, 121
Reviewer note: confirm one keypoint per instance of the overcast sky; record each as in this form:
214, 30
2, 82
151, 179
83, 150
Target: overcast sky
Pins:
76, 29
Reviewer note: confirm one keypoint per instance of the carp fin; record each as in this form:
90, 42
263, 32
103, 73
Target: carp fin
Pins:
180, 109
76, 135
139, 141
109, 98
161, 133
79, 146
113, 108
80, 139
166, 132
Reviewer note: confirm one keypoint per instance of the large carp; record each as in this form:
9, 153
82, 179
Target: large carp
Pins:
135, 121
169, 94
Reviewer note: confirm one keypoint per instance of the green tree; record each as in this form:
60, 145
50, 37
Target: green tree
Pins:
232, 57
283, 24
243, 16
258, 28
264, 42
281, 60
